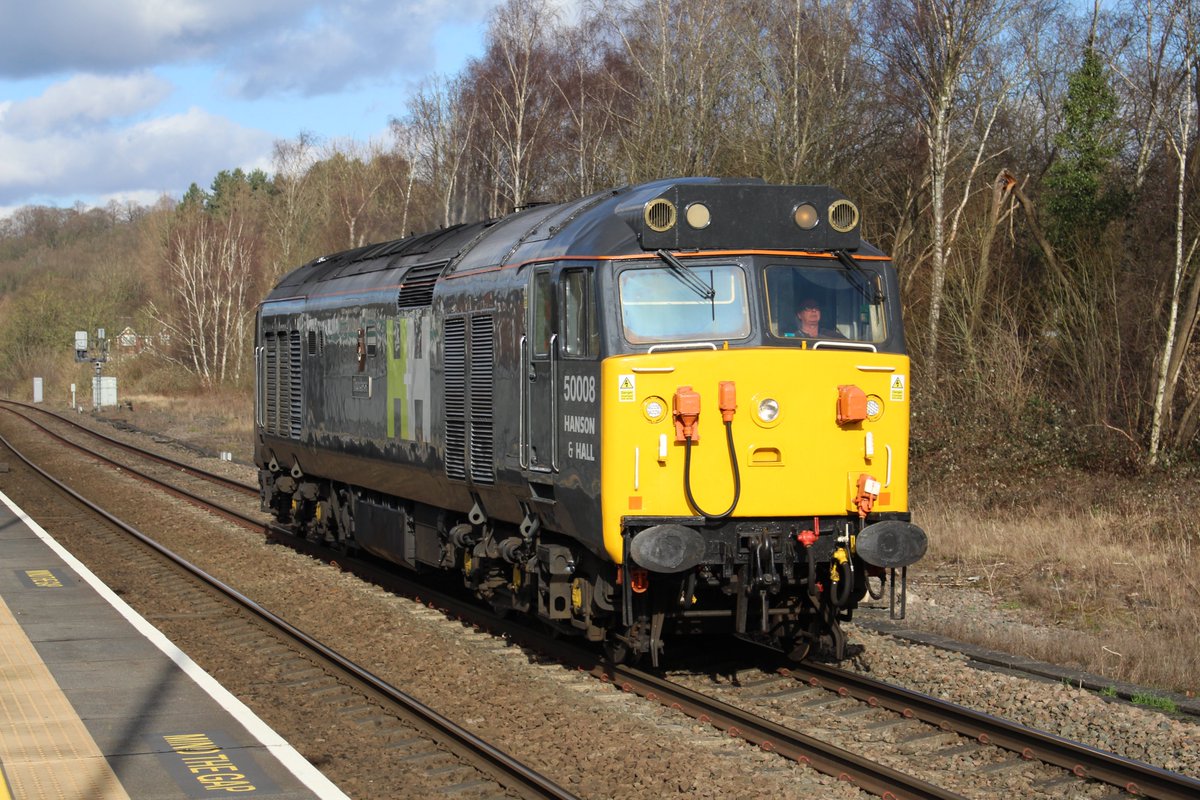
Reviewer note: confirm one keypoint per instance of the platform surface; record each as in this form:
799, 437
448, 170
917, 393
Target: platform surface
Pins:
96, 703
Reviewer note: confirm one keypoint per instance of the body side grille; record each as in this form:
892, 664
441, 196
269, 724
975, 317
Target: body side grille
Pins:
454, 365
482, 399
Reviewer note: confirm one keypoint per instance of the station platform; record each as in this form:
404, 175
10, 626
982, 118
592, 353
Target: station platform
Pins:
96, 703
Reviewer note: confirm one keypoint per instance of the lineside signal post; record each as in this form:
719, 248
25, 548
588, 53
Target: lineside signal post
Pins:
104, 389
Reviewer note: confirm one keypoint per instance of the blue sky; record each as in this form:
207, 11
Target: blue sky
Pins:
129, 99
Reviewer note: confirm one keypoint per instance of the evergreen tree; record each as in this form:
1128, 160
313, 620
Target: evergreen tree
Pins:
259, 181
194, 197
226, 188
1078, 203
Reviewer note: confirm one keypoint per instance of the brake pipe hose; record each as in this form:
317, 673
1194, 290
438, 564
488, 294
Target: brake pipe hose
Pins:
737, 478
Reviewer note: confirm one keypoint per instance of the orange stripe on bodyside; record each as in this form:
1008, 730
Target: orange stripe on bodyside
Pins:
559, 259
652, 257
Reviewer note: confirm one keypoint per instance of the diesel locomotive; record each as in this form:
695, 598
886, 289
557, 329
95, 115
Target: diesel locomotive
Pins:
668, 409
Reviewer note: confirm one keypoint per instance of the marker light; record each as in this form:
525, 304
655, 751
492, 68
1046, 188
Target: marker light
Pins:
874, 407
851, 404
768, 409
805, 216
698, 216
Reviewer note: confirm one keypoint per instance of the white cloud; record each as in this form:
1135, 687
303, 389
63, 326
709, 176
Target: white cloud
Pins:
305, 47
347, 43
51, 36
102, 129
161, 155
83, 101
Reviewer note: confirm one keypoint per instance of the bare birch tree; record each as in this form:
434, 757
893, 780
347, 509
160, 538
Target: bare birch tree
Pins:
1148, 75
686, 61
405, 186
355, 180
808, 90
437, 130
208, 312
290, 213
516, 94
590, 109
1176, 56
939, 50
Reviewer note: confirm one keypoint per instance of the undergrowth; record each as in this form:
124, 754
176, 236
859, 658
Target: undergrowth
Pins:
1068, 528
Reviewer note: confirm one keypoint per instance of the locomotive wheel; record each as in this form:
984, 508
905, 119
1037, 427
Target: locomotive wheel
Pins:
800, 648
615, 650
618, 651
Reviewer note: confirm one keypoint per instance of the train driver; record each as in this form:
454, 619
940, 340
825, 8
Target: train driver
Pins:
808, 321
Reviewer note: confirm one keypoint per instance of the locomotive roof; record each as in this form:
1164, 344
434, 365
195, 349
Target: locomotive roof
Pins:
745, 214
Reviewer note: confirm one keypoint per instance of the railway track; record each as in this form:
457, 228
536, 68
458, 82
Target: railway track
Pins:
978, 729
442, 756
903, 724
209, 490
927, 728
940, 732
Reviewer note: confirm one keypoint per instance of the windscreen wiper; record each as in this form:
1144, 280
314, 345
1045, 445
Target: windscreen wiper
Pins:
874, 296
686, 277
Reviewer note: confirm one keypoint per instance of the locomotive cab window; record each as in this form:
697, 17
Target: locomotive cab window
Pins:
580, 332
827, 302
542, 313
659, 305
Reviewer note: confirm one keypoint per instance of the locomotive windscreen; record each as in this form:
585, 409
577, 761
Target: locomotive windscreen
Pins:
658, 306
848, 304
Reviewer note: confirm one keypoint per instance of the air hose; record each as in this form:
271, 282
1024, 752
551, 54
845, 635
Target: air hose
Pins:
687, 476
843, 587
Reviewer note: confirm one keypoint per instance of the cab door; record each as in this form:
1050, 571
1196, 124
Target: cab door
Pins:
560, 352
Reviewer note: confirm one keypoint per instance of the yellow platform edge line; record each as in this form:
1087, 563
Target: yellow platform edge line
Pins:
281, 750
45, 726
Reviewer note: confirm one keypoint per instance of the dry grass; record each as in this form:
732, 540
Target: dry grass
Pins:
1116, 582
214, 421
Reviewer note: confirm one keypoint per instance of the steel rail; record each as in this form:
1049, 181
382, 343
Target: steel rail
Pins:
183, 494
522, 778
1085, 762
861, 771
1099, 766
197, 471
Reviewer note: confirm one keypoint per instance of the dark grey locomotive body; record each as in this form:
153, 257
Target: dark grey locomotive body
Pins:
392, 383
439, 401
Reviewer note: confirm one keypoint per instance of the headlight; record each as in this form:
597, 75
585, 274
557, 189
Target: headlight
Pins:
654, 408
805, 217
768, 409
698, 216
874, 407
